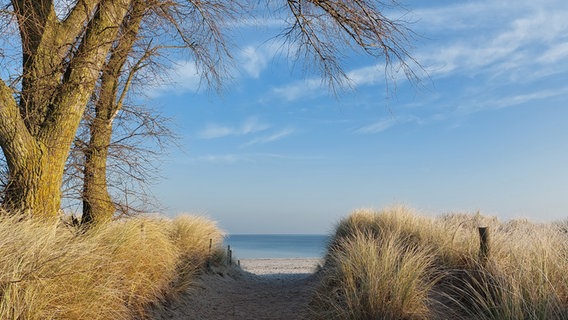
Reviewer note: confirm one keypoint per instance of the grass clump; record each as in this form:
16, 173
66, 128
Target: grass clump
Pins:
371, 276
524, 277
395, 264
114, 271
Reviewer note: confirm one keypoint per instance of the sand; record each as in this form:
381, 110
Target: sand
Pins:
281, 267
265, 289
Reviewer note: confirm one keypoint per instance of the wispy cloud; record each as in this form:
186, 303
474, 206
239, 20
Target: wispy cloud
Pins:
385, 124
512, 100
181, 77
504, 45
187, 76
270, 138
316, 87
308, 88
251, 125
221, 159
254, 59
513, 44
254, 22
453, 16
555, 53
236, 158
376, 127
367, 75
531, 96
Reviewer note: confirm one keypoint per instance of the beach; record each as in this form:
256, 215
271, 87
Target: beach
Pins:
278, 288
281, 266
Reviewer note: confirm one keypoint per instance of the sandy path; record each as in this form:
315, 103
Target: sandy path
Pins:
267, 289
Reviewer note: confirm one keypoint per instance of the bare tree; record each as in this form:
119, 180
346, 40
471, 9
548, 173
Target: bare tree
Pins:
117, 75
61, 61
139, 140
66, 61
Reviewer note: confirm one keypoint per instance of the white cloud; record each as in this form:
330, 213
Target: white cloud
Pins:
385, 124
254, 22
270, 138
366, 75
518, 99
301, 89
221, 159
480, 102
232, 158
255, 58
253, 61
215, 131
187, 77
251, 125
523, 48
377, 127
506, 45
181, 77
461, 15
556, 53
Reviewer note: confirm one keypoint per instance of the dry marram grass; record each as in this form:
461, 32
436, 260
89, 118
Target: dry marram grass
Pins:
396, 264
51, 271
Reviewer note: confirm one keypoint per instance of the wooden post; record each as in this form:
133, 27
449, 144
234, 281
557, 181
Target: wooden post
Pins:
484, 248
210, 255
230, 255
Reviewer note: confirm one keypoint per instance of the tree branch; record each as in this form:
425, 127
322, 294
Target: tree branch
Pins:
33, 16
75, 20
106, 103
83, 71
135, 68
321, 30
15, 139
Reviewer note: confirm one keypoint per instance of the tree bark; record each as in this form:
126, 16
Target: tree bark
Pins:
98, 206
34, 185
60, 69
34, 178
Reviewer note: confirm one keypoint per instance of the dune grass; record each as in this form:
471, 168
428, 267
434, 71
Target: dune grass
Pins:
52, 271
396, 264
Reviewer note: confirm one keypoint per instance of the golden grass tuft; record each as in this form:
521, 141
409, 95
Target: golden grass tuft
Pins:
396, 264
194, 235
51, 271
371, 277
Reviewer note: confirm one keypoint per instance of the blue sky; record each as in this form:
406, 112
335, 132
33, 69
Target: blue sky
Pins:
485, 130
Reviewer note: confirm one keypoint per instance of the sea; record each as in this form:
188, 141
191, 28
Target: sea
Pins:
257, 246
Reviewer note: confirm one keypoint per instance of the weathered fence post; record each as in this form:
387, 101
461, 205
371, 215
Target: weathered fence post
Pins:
484, 247
210, 255
230, 255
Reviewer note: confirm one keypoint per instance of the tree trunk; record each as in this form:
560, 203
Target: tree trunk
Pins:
34, 184
97, 203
